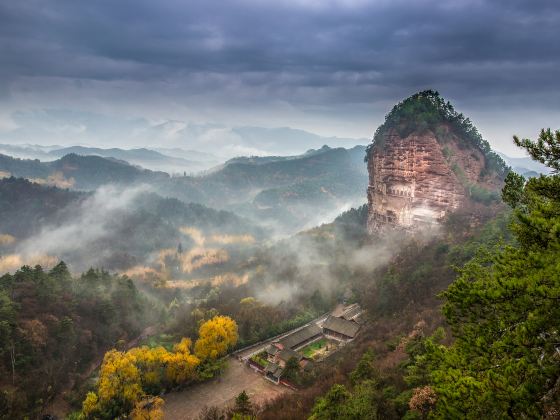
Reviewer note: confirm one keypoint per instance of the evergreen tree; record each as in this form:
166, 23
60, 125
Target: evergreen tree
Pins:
243, 404
504, 313
545, 150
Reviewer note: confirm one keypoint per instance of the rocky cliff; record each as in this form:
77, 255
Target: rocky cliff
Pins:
426, 160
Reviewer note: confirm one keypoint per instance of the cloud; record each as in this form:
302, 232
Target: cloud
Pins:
90, 222
330, 66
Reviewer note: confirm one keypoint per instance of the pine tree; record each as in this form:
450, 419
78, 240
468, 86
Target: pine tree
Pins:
504, 314
243, 404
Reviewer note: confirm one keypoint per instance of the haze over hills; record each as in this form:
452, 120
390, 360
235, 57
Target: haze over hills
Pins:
285, 193
279, 210
222, 141
80, 172
280, 192
146, 158
166, 160
117, 228
525, 165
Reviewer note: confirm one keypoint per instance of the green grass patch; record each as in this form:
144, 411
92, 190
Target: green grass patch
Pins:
260, 359
311, 349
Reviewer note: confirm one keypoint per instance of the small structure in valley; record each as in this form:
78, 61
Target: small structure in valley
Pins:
309, 344
271, 352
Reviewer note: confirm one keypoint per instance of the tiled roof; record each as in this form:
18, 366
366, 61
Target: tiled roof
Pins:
287, 354
274, 370
295, 339
352, 312
341, 326
271, 368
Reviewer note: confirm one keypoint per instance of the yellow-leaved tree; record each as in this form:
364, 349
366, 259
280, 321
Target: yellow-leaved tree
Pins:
150, 408
89, 406
181, 364
216, 336
119, 380
128, 380
150, 362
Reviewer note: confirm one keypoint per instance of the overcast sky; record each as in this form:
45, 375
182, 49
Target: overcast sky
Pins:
72, 71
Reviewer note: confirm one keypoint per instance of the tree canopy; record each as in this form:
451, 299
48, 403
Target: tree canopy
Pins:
216, 336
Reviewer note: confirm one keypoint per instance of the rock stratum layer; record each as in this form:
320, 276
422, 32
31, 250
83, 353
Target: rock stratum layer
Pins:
417, 178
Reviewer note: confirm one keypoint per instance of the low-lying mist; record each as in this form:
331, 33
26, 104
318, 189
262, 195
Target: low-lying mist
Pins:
194, 253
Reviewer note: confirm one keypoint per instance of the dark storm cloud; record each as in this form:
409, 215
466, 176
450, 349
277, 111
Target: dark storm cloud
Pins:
324, 56
402, 41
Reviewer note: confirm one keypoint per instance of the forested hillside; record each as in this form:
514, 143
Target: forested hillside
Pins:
53, 327
79, 172
490, 347
57, 327
26, 206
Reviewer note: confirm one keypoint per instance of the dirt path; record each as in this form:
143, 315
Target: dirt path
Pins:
221, 392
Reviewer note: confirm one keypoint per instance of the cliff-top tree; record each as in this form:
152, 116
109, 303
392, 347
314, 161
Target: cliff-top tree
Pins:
504, 312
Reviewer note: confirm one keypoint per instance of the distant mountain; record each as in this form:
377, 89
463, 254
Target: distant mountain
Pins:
166, 160
287, 192
28, 151
105, 131
281, 139
227, 142
356, 153
525, 165
80, 172
193, 155
274, 171
145, 158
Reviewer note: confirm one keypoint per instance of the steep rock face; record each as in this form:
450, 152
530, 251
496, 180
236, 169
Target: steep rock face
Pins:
411, 183
420, 173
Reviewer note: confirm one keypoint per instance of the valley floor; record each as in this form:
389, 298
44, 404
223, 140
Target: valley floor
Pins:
221, 392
